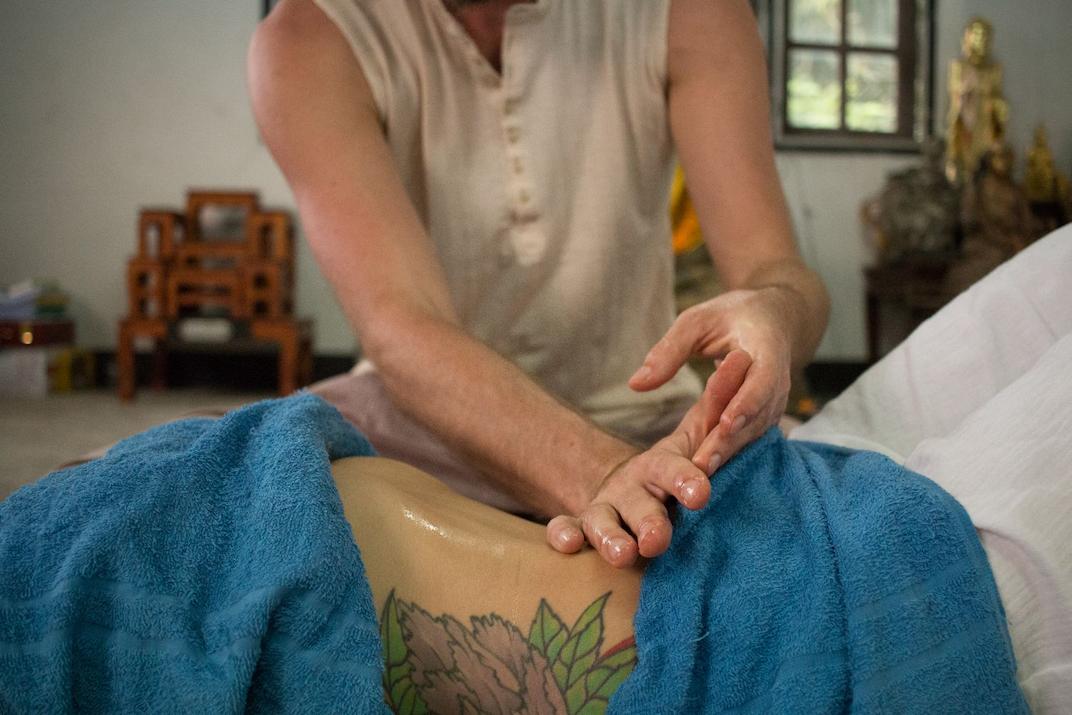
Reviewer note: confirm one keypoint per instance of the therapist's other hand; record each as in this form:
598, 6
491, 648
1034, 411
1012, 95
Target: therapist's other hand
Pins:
627, 516
756, 321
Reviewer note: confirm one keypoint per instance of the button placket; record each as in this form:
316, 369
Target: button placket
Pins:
524, 242
520, 191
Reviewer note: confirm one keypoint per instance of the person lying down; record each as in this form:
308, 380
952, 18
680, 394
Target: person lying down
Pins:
211, 564
478, 615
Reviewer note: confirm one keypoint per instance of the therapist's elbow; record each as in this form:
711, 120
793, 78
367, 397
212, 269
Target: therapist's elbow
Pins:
401, 339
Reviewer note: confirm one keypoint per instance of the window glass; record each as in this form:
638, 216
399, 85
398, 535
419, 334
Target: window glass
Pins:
814, 89
871, 92
815, 21
872, 23
849, 74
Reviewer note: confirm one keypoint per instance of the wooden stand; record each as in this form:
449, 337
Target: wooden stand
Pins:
183, 270
915, 288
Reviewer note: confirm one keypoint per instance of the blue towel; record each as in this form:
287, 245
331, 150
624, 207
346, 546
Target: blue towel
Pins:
201, 567
206, 566
821, 580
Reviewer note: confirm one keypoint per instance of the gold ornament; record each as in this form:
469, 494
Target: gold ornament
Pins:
978, 112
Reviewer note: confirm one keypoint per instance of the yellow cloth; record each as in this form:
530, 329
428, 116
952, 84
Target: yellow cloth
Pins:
686, 227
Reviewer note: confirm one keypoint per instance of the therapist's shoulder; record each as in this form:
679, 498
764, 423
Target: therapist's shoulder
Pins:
295, 26
302, 73
702, 31
299, 47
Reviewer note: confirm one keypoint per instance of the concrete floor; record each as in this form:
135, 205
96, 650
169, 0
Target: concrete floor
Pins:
37, 435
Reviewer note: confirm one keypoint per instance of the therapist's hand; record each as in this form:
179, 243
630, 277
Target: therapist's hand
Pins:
757, 321
627, 515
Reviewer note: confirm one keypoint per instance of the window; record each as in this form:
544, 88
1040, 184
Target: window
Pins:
849, 74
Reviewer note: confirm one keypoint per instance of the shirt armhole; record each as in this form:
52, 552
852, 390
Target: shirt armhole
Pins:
366, 41
658, 20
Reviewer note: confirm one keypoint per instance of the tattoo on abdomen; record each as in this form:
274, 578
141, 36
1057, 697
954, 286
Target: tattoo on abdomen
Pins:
437, 664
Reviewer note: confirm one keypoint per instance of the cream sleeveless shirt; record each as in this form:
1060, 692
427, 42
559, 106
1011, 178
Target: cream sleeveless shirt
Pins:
544, 188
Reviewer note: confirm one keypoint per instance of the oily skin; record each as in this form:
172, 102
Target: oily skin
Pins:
416, 534
317, 116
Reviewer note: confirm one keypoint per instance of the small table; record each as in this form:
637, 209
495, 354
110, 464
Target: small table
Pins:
37, 356
294, 338
36, 332
914, 285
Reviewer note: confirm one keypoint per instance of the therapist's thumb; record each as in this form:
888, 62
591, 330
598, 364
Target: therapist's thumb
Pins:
670, 353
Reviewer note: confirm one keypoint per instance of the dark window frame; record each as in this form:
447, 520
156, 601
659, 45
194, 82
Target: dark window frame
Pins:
915, 58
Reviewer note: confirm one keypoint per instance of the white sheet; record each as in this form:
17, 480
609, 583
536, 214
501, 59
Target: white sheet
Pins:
979, 399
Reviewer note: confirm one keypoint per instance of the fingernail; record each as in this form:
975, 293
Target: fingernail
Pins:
641, 374
716, 459
565, 536
738, 424
688, 491
647, 528
618, 546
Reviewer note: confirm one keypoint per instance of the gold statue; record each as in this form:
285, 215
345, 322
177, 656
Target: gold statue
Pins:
1043, 184
978, 111
1047, 190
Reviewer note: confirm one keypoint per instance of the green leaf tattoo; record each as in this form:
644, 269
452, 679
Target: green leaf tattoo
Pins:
547, 632
398, 687
438, 664
579, 651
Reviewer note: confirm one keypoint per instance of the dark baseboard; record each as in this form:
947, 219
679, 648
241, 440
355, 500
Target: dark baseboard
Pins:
828, 378
243, 372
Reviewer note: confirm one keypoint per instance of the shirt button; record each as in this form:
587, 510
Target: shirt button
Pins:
510, 106
529, 245
513, 134
523, 196
517, 166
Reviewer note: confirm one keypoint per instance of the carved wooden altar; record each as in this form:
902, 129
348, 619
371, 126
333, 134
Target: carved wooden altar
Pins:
223, 257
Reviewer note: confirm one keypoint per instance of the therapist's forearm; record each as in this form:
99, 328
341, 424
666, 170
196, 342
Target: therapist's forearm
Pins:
518, 435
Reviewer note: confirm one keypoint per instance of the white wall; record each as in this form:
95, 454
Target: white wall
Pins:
111, 105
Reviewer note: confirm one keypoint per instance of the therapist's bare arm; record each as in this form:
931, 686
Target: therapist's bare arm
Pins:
775, 307
774, 312
317, 116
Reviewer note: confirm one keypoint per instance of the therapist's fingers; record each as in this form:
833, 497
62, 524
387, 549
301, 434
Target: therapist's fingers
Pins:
667, 356
602, 527
724, 385
757, 405
564, 534
722, 447
762, 386
662, 471
650, 523
721, 387
705, 416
